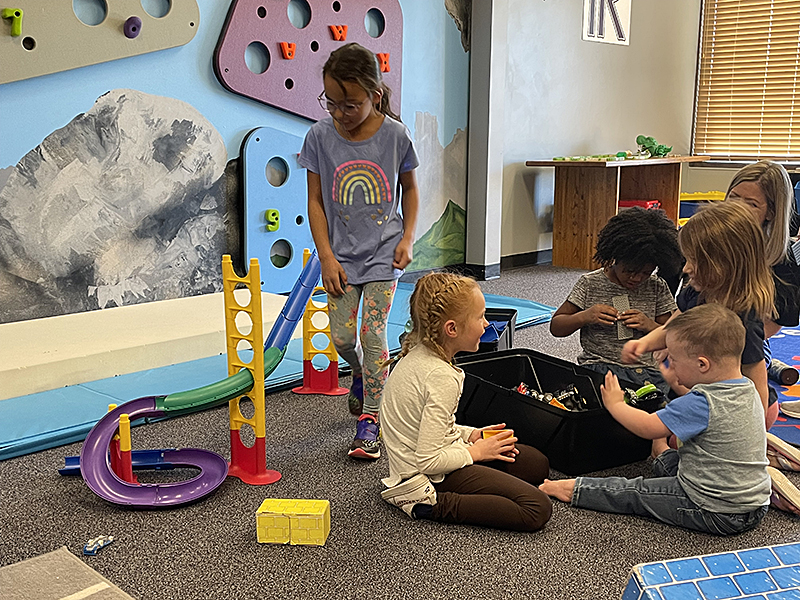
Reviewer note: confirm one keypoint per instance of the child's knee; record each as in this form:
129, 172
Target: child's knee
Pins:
537, 513
344, 345
373, 341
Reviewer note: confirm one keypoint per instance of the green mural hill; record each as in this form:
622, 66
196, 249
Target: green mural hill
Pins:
444, 243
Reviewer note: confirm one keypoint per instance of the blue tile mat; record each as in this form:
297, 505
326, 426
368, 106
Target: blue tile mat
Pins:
768, 573
65, 415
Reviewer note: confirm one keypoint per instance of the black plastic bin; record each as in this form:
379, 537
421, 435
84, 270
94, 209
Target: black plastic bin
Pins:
574, 442
505, 338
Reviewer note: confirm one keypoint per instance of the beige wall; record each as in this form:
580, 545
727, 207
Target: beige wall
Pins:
565, 96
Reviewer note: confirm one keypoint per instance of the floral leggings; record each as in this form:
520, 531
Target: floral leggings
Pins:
365, 357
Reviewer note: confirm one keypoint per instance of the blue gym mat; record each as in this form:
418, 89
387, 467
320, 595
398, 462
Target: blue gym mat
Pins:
786, 347
65, 415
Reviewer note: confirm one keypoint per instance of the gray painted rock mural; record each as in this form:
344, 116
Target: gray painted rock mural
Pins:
125, 204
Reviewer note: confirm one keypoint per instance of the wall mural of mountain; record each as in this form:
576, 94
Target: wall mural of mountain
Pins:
442, 177
443, 244
125, 204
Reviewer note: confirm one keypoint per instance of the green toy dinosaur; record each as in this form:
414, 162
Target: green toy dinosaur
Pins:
653, 147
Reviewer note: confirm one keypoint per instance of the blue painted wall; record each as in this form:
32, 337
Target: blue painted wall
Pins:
435, 70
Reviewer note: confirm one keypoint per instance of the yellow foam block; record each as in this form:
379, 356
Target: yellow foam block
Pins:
285, 520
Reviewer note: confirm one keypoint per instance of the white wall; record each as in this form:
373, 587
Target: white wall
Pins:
565, 96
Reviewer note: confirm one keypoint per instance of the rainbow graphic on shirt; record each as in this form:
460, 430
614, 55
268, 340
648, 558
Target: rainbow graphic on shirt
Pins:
363, 175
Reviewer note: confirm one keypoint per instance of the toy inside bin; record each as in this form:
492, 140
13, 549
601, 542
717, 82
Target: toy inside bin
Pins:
574, 442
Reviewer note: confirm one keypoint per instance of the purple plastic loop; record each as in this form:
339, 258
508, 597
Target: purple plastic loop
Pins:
132, 27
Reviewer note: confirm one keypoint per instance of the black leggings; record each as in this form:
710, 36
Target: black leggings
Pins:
496, 494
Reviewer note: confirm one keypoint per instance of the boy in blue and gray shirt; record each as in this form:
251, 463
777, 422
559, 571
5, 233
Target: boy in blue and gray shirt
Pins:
717, 480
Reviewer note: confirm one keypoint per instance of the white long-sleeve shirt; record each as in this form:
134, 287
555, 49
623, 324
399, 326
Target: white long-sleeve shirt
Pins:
418, 422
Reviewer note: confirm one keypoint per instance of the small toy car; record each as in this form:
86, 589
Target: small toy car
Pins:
91, 547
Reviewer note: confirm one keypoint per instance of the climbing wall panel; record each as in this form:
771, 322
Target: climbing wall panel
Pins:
38, 38
292, 79
275, 207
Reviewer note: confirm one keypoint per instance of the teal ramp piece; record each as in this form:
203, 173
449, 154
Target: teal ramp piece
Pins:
65, 415
280, 206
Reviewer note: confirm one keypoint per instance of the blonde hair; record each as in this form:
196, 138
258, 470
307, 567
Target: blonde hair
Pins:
709, 330
776, 185
437, 298
726, 246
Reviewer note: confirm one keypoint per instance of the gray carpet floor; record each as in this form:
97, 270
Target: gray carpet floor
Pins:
209, 549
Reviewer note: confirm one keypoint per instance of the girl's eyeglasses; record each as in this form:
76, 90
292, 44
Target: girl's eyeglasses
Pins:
348, 109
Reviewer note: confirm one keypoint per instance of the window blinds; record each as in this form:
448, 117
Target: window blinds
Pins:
748, 88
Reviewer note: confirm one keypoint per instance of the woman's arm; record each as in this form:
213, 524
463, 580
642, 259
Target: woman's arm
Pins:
771, 328
333, 276
757, 373
410, 202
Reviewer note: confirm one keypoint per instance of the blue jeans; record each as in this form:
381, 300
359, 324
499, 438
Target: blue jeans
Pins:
661, 498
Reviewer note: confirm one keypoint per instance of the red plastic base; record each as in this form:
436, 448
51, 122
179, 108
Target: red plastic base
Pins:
121, 463
126, 467
321, 382
250, 464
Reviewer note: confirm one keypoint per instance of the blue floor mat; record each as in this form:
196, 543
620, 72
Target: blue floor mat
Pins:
65, 415
786, 347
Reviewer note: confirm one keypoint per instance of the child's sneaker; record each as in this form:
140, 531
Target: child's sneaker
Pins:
785, 496
355, 400
407, 494
782, 455
366, 443
791, 408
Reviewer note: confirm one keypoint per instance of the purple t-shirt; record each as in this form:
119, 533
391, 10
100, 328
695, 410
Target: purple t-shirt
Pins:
360, 193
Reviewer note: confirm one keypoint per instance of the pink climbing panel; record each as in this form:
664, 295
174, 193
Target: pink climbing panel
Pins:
293, 84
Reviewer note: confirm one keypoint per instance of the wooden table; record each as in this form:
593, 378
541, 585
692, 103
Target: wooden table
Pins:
587, 193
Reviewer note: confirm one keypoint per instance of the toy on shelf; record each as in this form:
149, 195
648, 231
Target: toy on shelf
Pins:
288, 521
651, 146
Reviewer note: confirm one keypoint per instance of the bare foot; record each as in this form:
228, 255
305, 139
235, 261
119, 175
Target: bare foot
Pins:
561, 489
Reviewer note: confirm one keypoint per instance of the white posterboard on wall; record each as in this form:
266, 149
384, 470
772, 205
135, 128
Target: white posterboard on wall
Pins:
607, 21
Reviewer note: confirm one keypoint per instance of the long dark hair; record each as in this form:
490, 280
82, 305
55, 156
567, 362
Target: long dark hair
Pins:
354, 63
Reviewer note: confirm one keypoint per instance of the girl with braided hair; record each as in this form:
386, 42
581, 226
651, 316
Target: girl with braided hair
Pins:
624, 299
433, 462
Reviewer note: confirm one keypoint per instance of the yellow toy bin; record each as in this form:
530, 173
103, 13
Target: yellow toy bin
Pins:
691, 202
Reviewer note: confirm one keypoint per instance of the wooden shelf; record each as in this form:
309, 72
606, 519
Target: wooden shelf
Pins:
587, 195
633, 162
